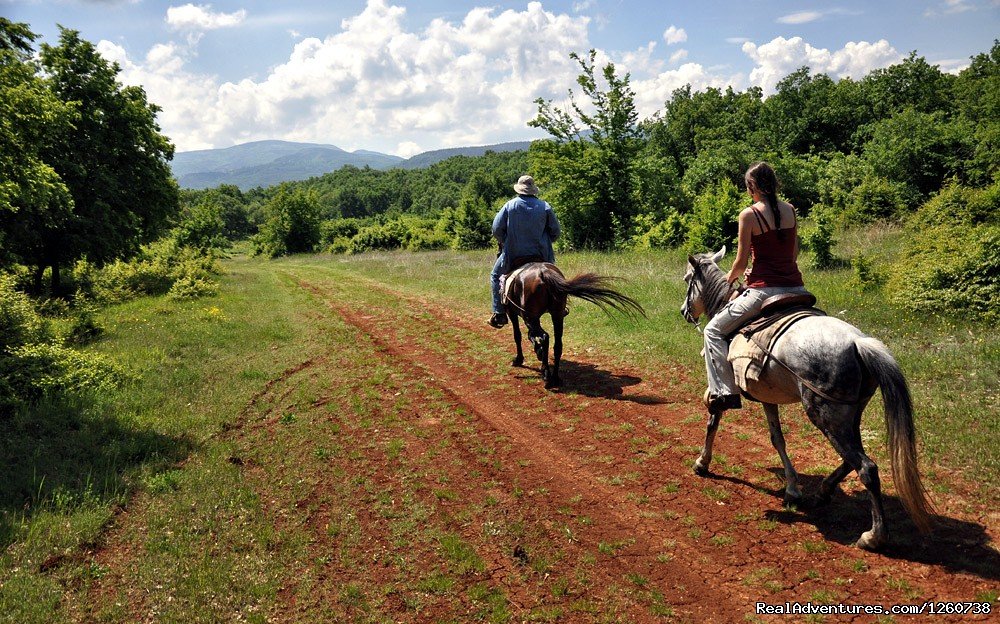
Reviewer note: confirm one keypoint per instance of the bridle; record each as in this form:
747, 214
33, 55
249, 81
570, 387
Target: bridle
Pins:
690, 289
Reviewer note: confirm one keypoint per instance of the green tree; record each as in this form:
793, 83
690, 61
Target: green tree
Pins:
977, 92
114, 160
608, 162
33, 198
919, 150
292, 225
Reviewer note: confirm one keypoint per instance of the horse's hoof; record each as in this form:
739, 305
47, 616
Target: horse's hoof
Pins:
869, 541
700, 469
518, 361
797, 502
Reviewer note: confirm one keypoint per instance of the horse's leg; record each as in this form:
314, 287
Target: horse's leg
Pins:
516, 325
829, 485
842, 425
540, 341
792, 493
701, 464
557, 330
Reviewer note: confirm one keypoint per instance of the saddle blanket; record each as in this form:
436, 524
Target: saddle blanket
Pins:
507, 282
749, 348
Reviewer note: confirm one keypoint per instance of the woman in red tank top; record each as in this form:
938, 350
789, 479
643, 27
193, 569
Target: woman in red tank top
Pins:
768, 243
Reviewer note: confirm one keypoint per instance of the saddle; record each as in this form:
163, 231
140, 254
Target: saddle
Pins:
751, 345
507, 279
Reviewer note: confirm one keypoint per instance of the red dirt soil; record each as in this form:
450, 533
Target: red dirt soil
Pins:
727, 534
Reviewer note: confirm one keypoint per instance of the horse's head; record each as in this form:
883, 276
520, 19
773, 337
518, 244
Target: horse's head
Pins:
702, 274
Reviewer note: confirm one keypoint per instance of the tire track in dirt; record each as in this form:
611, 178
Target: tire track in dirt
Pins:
714, 585
558, 470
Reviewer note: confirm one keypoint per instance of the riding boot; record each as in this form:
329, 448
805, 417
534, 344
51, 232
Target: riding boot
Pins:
498, 320
720, 403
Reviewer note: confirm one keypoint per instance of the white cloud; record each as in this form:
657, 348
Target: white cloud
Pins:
377, 84
801, 17
584, 5
674, 35
201, 17
779, 57
737, 39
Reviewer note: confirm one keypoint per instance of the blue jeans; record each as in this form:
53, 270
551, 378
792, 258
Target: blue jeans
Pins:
721, 380
495, 285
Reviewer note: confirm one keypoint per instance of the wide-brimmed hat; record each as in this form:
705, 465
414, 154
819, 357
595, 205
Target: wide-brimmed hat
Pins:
526, 186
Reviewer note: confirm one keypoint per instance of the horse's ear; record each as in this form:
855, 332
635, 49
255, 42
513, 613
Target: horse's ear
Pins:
719, 255
692, 261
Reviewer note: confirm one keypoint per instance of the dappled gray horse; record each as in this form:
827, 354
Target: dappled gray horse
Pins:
834, 370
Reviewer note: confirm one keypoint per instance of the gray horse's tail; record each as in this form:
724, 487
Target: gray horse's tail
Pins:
898, 409
593, 288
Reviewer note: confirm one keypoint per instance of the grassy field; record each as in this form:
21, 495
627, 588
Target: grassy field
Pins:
205, 547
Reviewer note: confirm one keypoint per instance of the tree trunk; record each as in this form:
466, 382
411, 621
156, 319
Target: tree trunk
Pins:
56, 283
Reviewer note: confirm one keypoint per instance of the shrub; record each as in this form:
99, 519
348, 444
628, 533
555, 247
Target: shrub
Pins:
33, 365
867, 277
391, 235
819, 239
876, 198
427, 240
952, 268
292, 225
713, 222
20, 324
665, 233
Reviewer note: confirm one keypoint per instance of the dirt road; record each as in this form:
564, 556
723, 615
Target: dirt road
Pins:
580, 503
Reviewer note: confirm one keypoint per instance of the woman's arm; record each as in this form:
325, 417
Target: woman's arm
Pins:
742, 247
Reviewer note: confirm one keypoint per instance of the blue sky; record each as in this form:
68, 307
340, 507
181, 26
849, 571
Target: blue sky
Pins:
405, 76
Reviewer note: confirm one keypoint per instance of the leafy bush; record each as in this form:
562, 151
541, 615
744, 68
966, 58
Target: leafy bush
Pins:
713, 222
20, 324
961, 204
391, 235
34, 365
867, 276
819, 238
665, 233
191, 287
333, 230
153, 271
950, 261
427, 240
953, 269
876, 198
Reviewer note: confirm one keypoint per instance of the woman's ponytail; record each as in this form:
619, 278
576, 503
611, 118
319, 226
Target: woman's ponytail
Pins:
766, 182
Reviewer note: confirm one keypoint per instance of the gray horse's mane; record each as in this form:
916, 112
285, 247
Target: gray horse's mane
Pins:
715, 290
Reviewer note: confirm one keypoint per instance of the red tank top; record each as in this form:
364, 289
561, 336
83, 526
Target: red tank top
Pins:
773, 257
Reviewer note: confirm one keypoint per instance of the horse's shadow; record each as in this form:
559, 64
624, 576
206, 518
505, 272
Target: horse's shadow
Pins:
957, 545
592, 381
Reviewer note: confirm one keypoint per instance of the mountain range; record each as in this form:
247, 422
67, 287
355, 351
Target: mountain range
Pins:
265, 163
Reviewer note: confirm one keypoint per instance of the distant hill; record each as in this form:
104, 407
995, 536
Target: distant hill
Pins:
266, 163
426, 159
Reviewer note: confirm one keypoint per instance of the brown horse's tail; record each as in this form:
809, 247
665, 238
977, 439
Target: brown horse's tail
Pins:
898, 409
593, 288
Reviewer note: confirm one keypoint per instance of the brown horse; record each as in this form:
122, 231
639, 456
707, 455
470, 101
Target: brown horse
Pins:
542, 288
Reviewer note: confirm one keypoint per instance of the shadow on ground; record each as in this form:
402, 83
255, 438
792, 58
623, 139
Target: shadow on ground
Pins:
58, 457
954, 544
593, 381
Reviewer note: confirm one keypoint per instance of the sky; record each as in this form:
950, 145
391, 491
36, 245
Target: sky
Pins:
406, 76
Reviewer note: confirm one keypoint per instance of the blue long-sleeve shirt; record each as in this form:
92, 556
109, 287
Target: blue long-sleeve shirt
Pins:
526, 226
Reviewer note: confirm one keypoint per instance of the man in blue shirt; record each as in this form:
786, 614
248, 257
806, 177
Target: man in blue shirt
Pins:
525, 228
